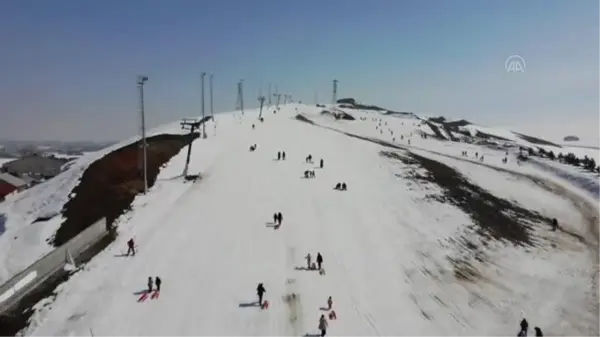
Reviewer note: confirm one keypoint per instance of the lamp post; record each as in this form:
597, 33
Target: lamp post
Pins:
211, 95
140, 81
203, 123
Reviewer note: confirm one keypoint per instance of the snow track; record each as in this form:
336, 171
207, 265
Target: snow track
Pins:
212, 242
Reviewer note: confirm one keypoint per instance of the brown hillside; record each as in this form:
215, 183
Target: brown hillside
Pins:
109, 185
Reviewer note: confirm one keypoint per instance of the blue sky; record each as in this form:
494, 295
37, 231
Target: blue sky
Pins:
68, 67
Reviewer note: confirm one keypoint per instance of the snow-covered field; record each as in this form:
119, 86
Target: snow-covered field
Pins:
386, 245
579, 151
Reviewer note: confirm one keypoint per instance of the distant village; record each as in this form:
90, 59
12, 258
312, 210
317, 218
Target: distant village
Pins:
25, 165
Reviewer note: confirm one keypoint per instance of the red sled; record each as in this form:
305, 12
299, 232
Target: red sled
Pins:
143, 297
265, 305
155, 295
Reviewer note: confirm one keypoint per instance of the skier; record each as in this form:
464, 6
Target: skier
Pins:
158, 282
130, 247
538, 332
260, 290
308, 260
278, 155
329, 303
149, 284
321, 163
323, 325
319, 260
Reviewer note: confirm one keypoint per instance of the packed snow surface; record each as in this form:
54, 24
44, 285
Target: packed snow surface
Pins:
385, 244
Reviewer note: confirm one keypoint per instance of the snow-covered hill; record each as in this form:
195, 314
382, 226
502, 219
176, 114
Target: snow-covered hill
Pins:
425, 241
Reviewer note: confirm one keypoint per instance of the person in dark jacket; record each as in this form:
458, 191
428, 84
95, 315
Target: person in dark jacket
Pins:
554, 224
323, 325
524, 328
275, 218
278, 155
279, 218
538, 332
260, 290
319, 260
283, 155
150, 284
130, 247
321, 163
343, 186
158, 282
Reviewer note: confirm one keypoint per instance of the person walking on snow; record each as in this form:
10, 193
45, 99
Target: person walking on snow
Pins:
321, 163
158, 282
308, 260
278, 155
283, 155
329, 303
323, 325
524, 328
279, 218
319, 260
554, 224
130, 247
260, 290
149, 284
275, 218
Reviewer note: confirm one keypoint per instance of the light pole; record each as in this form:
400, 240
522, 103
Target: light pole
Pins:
204, 122
211, 96
140, 81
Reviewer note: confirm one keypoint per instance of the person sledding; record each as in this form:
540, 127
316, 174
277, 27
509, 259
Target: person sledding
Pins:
131, 247
260, 291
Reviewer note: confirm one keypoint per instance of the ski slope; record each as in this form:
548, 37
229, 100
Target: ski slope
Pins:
383, 243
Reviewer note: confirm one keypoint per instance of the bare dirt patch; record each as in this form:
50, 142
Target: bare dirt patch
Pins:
109, 185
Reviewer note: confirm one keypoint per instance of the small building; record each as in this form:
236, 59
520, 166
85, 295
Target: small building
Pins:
35, 166
10, 184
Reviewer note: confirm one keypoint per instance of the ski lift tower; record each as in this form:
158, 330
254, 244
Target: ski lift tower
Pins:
192, 125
